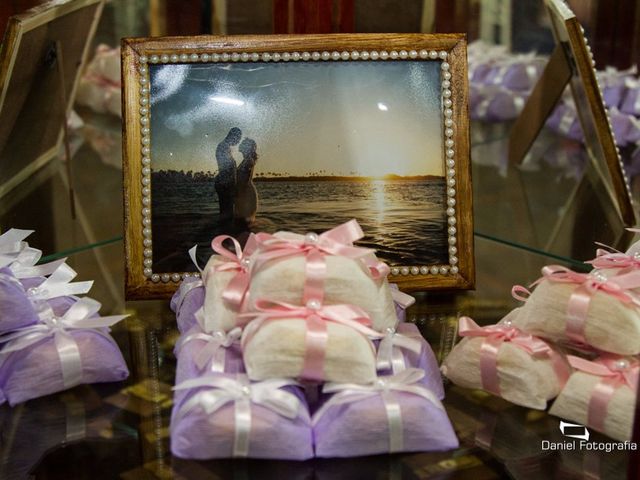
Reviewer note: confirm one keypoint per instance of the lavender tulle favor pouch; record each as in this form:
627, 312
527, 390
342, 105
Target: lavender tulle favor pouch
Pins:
406, 348
631, 102
564, 120
226, 416
60, 352
201, 353
394, 414
22, 299
16, 310
187, 300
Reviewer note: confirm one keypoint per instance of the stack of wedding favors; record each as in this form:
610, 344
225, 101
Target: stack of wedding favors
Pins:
577, 338
50, 339
292, 348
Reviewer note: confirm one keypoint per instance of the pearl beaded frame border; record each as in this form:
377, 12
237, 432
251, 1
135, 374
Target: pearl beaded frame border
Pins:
143, 62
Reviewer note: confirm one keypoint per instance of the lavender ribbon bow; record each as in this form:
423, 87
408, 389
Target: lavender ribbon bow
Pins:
218, 391
385, 387
81, 316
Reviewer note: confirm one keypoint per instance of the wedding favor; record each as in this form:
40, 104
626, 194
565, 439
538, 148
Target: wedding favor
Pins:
186, 302
224, 416
507, 362
583, 309
404, 347
392, 414
294, 268
601, 394
200, 353
100, 87
21, 301
312, 342
60, 352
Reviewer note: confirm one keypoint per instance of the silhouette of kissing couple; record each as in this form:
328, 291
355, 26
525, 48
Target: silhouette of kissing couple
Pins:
237, 194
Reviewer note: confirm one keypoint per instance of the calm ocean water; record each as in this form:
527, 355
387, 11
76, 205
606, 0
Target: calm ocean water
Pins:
404, 220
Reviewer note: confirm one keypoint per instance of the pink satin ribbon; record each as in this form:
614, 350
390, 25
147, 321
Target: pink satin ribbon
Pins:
618, 286
337, 241
614, 259
237, 261
495, 336
615, 372
316, 336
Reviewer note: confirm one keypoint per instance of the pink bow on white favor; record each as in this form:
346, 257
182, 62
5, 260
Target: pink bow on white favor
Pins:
615, 372
618, 286
337, 241
494, 337
238, 261
316, 316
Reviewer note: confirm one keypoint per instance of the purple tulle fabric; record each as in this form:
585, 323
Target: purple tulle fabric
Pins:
16, 310
631, 102
361, 428
425, 360
401, 312
186, 367
518, 76
198, 435
35, 371
564, 120
193, 300
495, 103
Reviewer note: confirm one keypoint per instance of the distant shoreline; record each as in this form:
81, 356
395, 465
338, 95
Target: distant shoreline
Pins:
337, 178
172, 176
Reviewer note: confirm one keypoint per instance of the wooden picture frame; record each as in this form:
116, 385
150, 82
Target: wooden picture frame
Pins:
41, 60
144, 58
572, 63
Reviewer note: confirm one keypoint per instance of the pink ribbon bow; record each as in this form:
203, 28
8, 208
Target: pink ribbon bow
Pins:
618, 287
337, 241
316, 315
615, 372
611, 258
238, 261
495, 336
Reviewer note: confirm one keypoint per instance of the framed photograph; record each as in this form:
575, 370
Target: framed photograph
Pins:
572, 63
232, 135
38, 82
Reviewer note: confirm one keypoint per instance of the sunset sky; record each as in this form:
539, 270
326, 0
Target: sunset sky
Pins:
347, 118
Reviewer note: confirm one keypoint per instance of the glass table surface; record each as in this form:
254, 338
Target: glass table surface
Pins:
550, 210
122, 430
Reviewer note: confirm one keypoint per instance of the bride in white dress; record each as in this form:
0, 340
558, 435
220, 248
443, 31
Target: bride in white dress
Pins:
246, 199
